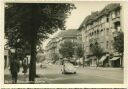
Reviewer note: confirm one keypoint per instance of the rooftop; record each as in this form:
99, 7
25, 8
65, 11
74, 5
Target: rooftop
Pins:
67, 33
95, 15
64, 33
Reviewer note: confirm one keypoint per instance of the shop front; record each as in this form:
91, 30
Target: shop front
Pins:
104, 62
115, 62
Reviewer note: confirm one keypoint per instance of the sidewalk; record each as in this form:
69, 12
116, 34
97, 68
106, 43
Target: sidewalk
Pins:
104, 68
22, 79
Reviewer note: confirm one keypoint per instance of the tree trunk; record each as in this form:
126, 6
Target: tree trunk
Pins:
32, 70
97, 62
122, 61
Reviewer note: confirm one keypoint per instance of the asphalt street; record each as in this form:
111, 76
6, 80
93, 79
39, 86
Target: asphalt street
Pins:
88, 75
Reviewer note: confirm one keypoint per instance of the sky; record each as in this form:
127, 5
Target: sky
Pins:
83, 9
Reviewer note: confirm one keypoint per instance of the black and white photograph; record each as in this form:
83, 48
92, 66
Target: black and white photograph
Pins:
80, 42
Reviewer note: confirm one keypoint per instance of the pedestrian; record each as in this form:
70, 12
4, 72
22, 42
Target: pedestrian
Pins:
14, 69
25, 66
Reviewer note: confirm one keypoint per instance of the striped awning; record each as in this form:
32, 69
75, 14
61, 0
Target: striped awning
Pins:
102, 58
114, 58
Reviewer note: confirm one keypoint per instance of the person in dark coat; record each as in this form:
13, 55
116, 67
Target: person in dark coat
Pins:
25, 66
14, 68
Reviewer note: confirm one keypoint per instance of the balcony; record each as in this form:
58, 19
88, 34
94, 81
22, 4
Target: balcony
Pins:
116, 19
115, 32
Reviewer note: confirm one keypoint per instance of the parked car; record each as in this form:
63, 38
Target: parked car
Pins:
68, 68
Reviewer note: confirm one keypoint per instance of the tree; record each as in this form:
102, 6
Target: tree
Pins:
79, 50
119, 44
67, 49
33, 22
97, 51
55, 57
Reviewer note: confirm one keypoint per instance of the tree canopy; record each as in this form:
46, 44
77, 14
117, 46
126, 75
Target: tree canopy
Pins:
27, 24
22, 20
79, 50
96, 50
67, 49
119, 42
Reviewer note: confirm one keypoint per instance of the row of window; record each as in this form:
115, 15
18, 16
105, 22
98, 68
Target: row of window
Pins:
104, 19
107, 47
97, 32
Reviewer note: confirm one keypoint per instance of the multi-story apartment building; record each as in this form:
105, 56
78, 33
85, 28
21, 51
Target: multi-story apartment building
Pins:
53, 45
102, 26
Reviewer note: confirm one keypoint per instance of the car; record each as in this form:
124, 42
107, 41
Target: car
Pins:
68, 68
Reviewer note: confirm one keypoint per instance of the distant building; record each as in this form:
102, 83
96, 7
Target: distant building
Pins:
53, 45
102, 26
51, 48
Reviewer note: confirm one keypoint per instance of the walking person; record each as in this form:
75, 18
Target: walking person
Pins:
14, 69
25, 66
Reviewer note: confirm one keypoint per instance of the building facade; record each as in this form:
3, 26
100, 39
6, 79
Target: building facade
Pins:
51, 48
102, 27
53, 45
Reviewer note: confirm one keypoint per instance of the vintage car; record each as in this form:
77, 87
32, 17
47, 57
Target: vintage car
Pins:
68, 68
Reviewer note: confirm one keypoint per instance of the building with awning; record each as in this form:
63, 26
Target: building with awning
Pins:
114, 58
115, 61
103, 27
104, 60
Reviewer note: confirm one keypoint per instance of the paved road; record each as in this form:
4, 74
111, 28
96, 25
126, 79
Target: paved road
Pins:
52, 75
84, 75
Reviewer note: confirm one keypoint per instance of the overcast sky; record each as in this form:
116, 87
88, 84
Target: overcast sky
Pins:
83, 9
